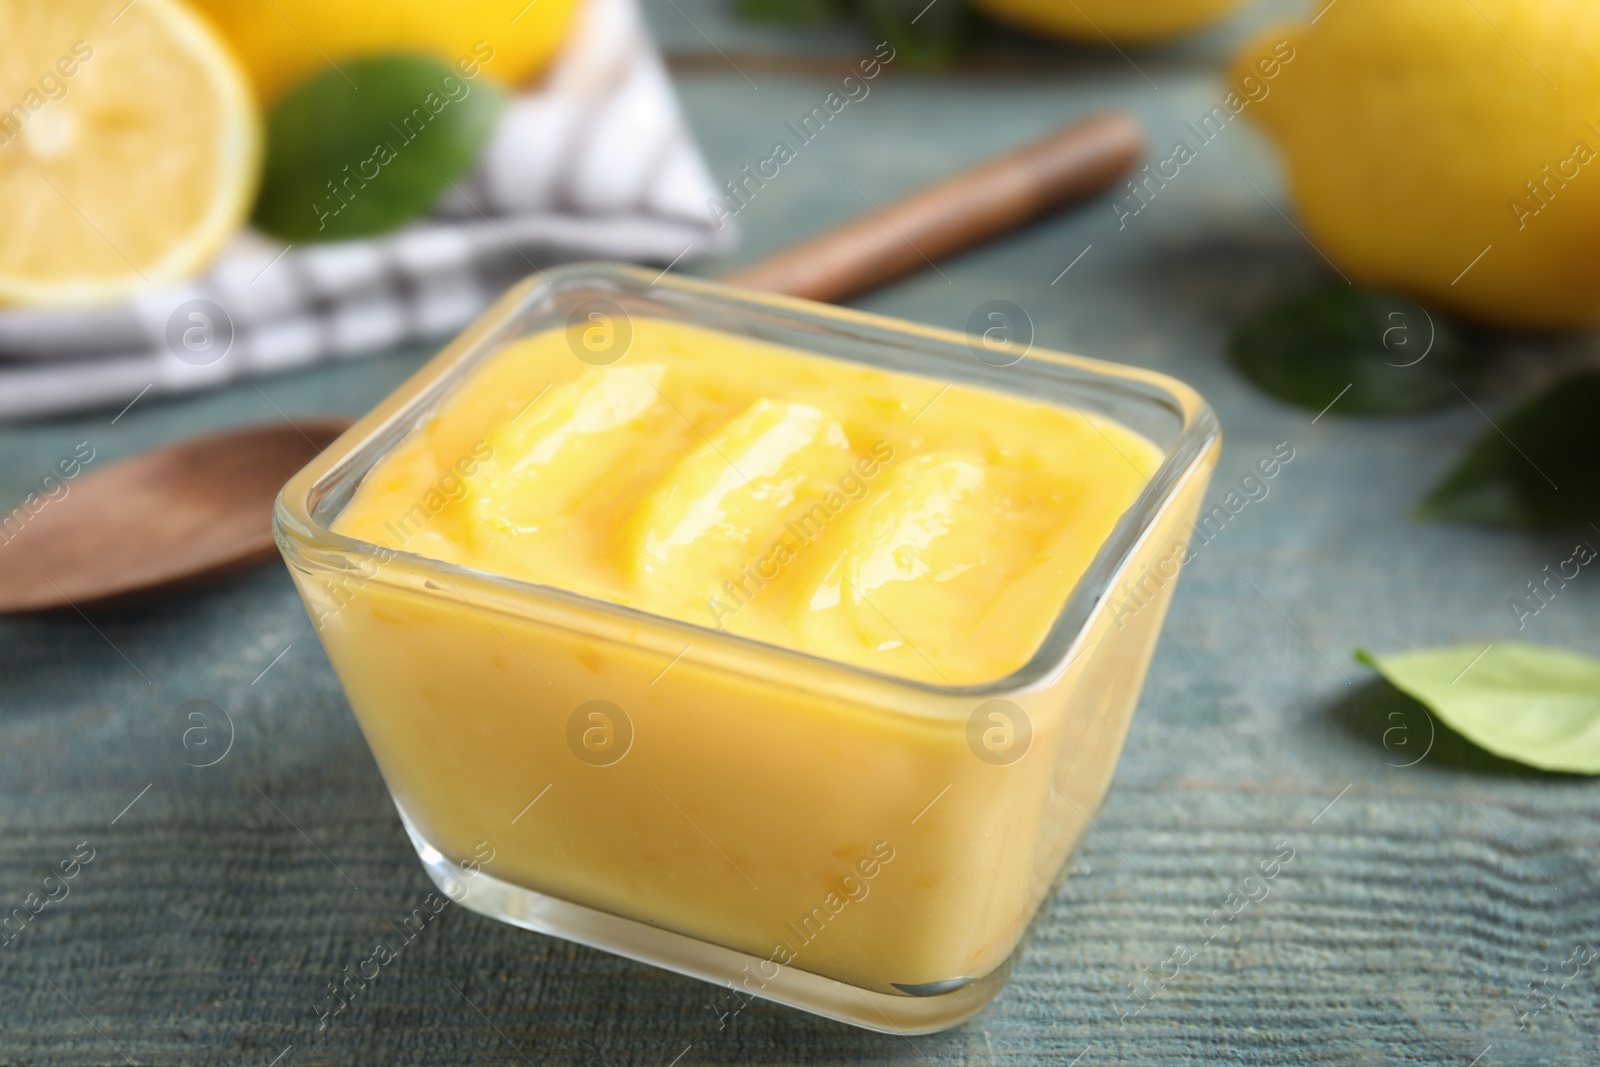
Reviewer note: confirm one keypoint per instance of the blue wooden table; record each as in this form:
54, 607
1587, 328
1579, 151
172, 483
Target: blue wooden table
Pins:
1429, 883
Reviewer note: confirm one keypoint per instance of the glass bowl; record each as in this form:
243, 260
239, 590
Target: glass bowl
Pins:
862, 846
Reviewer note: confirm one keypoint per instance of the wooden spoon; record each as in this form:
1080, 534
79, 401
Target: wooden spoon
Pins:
991, 198
204, 505
197, 508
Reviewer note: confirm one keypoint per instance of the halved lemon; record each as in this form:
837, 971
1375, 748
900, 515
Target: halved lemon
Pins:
130, 148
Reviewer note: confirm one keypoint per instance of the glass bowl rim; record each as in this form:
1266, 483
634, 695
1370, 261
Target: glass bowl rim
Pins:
297, 530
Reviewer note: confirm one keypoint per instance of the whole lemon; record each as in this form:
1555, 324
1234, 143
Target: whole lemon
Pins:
1135, 21
282, 41
1449, 150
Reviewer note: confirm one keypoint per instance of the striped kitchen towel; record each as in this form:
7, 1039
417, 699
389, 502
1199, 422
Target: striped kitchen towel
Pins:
594, 162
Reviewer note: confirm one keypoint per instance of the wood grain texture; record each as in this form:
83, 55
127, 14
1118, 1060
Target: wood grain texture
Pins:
1415, 911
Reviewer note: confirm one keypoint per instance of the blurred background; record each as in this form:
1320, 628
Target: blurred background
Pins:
1363, 230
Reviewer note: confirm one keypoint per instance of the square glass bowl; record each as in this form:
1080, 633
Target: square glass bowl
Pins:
861, 846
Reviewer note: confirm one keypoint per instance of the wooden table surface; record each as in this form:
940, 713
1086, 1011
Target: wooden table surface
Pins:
1423, 896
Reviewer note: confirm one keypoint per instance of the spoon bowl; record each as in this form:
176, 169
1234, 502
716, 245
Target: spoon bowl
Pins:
191, 510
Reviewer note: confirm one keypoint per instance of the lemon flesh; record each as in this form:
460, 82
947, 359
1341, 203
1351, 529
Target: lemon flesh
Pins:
1116, 20
281, 42
1450, 151
129, 148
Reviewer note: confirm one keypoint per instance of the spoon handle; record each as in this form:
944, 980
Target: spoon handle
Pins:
879, 246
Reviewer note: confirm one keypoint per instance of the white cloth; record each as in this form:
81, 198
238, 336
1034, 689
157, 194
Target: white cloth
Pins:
594, 162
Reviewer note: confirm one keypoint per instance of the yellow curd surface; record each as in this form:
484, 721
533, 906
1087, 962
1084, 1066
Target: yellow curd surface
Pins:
918, 528
926, 530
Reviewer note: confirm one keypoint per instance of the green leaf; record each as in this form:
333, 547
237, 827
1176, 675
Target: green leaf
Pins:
792, 12
1535, 705
1539, 468
362, 149
921, 34
1394, 356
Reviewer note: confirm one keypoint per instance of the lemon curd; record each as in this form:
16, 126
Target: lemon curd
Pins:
848, 775
922, 529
